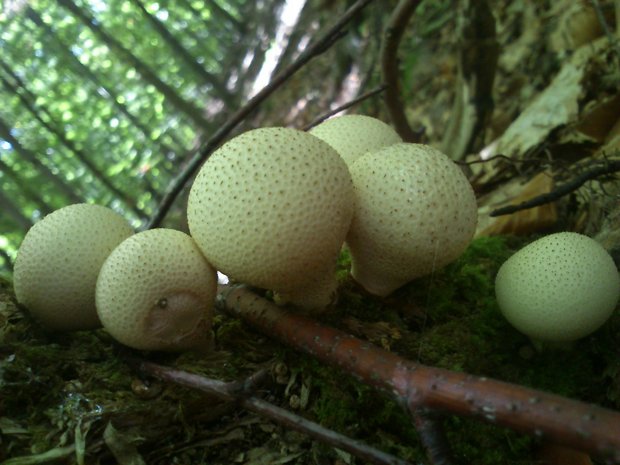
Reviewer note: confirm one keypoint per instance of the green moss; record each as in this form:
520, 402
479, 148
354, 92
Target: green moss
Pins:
56, 388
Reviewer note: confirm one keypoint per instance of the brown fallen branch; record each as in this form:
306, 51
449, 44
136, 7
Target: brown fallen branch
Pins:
323, 43
241, 394
607, 167
576, 424
344, 106
389, 66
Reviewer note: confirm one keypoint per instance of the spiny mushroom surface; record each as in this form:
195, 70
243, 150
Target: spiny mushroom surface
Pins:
271, 208
415, 212
58, 262
354, 135
157, 292
559, 288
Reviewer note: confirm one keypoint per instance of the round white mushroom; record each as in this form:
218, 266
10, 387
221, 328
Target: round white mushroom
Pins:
354, 135
271, 208
58, 262
559, 288
415, 213
157, 292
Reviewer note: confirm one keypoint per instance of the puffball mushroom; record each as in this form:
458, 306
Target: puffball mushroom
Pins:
559, 288
354, 135
58, 262
157, 292
415, 212
271, 208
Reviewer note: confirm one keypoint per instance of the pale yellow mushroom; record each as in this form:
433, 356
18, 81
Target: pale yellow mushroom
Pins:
271, 208
354, 135
58, 262
415, 213
559, 288
157, 292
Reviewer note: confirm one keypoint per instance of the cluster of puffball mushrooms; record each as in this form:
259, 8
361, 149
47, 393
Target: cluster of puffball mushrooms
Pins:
273, 208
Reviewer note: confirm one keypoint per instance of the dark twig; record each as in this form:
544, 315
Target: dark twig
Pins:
389, 65
600, 16
561, 420
607, 167
344, 106
232, 392
315, 49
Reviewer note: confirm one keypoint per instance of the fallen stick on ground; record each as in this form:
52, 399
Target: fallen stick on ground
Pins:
242, 394
561, 420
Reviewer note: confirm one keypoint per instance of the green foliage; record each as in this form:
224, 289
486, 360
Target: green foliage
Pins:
116, 93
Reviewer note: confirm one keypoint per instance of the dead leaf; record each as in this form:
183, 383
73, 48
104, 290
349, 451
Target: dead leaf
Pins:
524, 221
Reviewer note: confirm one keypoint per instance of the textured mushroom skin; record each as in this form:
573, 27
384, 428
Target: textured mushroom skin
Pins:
271, 208
59, 260
415, 213
157, 292
354, 135
558, 288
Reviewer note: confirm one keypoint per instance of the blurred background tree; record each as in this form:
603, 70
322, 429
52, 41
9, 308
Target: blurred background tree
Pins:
105, 101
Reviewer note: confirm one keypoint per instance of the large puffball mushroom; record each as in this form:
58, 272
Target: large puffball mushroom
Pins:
354, 135
415, 212
156, 291
271, 208
559, 288
58, 262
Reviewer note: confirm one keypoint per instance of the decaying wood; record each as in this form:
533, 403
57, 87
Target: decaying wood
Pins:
560, 420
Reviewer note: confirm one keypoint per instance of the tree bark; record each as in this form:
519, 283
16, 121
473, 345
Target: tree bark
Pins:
561, 420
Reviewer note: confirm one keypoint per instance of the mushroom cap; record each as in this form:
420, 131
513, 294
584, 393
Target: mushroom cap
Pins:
558, 288
415, 213
354, 135
156, 291
271, 208
58, 262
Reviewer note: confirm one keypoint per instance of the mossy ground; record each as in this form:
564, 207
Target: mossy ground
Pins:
74, 398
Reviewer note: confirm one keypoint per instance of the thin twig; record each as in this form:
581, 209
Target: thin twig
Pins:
579, 425
325, 41
608, 167
389, 65
232, 392
344, 106
600, 16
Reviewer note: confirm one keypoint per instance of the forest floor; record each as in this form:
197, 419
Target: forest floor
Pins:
77, 398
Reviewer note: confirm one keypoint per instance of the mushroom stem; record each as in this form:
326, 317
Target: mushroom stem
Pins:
315, 296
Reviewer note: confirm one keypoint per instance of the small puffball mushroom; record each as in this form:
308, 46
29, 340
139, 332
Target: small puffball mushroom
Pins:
271, 208
58, 262
156, 291
559, 288
415, 212
354, 135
